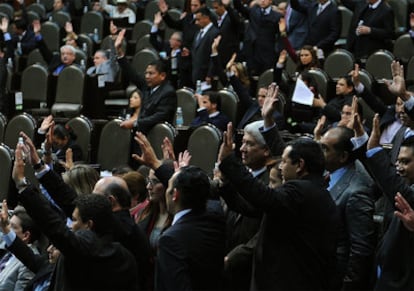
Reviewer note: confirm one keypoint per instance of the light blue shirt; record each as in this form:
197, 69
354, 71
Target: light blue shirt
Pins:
180, 214
335, 176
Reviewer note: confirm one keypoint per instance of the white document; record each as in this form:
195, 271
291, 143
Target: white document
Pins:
302, 94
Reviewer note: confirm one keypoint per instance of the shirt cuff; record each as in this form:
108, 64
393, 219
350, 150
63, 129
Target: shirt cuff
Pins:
214, 55
360, 88
373, 151
7, 36
229, 74
9, 238
359, 141
154, 29
42, 172
409, 104
201, 109
38, 37
266, 129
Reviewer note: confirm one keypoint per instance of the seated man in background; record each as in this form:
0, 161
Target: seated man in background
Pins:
209, 105
105, 68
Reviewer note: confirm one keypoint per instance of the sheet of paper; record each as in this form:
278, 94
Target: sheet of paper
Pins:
302, 94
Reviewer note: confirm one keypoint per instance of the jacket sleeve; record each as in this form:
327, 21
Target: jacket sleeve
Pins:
131, 74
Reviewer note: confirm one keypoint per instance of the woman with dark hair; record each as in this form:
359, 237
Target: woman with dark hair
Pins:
135, 100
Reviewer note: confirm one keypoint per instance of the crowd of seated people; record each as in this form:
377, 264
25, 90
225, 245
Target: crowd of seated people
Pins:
311, 197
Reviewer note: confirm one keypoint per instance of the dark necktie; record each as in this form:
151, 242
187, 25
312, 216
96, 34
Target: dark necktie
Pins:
199, 36
4, 260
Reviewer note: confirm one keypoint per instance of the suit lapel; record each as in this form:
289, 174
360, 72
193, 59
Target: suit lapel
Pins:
342, 184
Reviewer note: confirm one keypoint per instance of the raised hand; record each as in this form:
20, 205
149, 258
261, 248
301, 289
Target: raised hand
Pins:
404, 212
374, 139
157, 18
230, 63
4, 26
227, 145
118, 42
397, 86
282, 57
355, 75
46, 123
282, 25
36, 26
355, 122
69, 160
215, 44
148, 156
34, 156
4, 218
167, 149
19, 164
68, 27
183, 160
270, 104
317, 131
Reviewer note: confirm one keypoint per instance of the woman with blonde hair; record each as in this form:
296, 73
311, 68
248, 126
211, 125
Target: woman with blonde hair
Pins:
82, 178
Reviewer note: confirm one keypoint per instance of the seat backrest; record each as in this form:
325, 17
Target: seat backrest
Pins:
91, 20
346, 17
177, 5
60, 18
51, 34
151, 9
229, 103
290, 67
3, 124
35, 57
7, 9
38, 8
174, 14
143, 58
84, 38
82, 127
203, 146
379, 64
114, 145
6, 166
404, 48
366, 78
400, 8
338, 63
80, 55
69, 92
22, 122
143, 42
140, 29
34, 85
157, 134
321, 79
186, 100
368, 113
48, 4
410, 70
265, 79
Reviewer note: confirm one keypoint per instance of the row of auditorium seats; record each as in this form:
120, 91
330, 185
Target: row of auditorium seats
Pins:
114, 143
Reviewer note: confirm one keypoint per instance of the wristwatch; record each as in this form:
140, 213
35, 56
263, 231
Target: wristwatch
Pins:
38, 166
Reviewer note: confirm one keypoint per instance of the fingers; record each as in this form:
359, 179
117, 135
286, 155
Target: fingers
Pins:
229, 134
403, 205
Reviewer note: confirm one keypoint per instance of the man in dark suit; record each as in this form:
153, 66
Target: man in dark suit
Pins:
296, 27
324, 22
201, 48
297, 238
372, 27
89, 260
171, 48
159, 100
352, 189
187, 25
191, 250
229, 24
260, 37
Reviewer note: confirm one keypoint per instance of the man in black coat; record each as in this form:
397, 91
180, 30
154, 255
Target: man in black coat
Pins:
297, 239
371, 28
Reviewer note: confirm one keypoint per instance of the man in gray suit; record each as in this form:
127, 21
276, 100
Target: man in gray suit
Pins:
14, 275
352, 189
104, 68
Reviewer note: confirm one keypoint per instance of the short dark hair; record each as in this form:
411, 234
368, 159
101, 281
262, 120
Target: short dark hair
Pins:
194, 187
214, 98
205, 11
62, 131
20, 24
27, 223
98, 209
159, 66
309, 151
121, 194
408, 142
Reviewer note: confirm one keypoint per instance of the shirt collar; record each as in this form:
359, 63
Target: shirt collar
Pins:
256, 173
267, 10
375, 5
180, 214
214, 114
336, 175
325, 5
206, 28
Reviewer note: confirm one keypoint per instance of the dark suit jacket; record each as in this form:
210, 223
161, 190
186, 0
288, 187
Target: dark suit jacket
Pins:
260, 37
381, 22
191, 252
230, 30
297, 239
297, 29
354, 196
396, 250
87, 261
157, 107
324, 29
220, 120
200, 55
